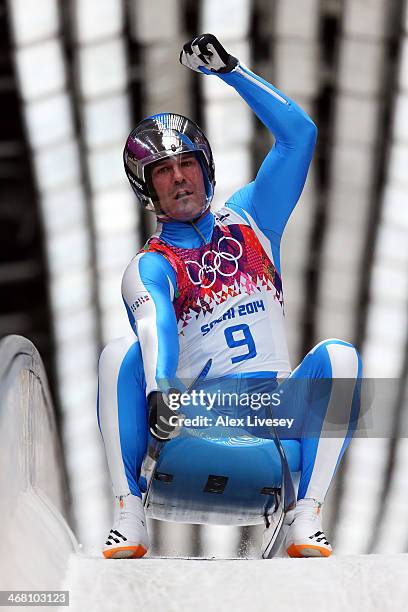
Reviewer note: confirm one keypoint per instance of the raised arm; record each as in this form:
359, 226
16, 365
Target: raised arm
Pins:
278, 185
271, 198
148, 288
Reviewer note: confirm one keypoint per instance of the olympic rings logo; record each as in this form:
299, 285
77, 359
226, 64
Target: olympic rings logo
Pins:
206, 272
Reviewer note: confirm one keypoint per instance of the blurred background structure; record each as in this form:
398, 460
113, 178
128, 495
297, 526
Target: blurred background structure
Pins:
76, 76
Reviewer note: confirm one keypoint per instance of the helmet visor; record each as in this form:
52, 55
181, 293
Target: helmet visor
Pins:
150, 145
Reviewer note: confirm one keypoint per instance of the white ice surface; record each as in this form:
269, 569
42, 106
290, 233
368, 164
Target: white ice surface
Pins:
364, 583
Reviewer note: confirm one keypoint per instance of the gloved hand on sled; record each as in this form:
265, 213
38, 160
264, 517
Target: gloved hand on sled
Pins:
206, 54
165, 418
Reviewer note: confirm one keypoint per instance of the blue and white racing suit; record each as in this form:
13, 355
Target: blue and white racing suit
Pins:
217, 293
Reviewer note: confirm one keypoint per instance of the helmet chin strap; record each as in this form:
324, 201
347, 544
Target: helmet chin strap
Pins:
193, 223
164, 218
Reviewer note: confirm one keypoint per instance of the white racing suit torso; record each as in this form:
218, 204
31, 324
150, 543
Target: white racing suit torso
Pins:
228, 301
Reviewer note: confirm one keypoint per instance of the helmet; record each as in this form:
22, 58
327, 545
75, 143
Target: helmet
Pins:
156, 138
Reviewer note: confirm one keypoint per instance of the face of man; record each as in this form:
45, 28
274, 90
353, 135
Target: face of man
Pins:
179, 185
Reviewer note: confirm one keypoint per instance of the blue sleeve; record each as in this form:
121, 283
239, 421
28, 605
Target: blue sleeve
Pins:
148, 289
271, 197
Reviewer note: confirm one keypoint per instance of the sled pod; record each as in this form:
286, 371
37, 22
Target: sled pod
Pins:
233, 479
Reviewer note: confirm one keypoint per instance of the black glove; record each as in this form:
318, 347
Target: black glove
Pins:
161, 408
207, 53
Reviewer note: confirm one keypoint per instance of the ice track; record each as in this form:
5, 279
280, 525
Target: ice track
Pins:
38, 543
359, 582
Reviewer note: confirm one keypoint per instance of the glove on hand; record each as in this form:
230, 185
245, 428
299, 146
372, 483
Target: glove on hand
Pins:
160, 411
206, 54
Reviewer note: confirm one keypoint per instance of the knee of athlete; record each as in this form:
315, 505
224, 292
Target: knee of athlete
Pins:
114, 352
344, 358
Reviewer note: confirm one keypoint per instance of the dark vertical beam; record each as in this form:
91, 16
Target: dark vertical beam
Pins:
24, 307
329, 29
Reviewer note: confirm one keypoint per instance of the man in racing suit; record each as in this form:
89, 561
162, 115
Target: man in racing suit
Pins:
208, 285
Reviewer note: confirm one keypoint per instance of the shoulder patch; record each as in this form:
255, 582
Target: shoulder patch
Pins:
228, 216
138, 302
